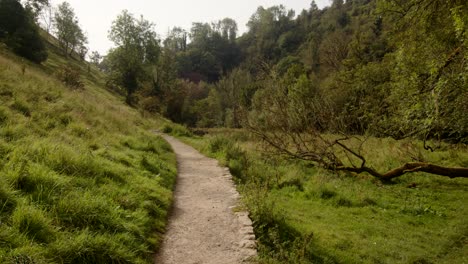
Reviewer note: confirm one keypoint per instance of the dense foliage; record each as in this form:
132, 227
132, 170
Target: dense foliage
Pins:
70, 36
134, 59
19, 32
394, 68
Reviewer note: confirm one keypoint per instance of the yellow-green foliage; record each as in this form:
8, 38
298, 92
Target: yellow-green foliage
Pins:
82, 178
303, 214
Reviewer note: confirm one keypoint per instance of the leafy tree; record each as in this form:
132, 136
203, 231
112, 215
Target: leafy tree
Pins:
19, 32
176, 40
95, 58
265, 29
290, 118
208, 110
211, 53
69, 34
227, 28
236, 91
46, 17
134, 59
429, 77
37, 6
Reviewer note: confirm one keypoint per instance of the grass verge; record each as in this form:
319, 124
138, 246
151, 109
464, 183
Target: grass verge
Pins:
303, 214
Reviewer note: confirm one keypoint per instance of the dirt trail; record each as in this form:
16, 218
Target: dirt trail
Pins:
203, 228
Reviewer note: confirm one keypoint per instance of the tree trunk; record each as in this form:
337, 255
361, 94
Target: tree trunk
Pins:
451, 172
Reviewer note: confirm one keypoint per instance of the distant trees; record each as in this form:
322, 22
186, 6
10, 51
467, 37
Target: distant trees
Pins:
46, 18
19, 32
68, 31
212, 52
134, 60
176, 40
95, 58
270, 31
36, 6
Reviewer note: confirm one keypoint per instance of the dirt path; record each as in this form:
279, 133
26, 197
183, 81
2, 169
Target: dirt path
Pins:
203, 227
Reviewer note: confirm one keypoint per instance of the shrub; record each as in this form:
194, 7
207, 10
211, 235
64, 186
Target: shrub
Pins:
219, 144
27, 43
167, 129
71, 77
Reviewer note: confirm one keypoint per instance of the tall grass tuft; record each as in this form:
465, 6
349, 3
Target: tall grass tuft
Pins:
33, 223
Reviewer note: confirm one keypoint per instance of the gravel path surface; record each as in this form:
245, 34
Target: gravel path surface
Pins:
203, 227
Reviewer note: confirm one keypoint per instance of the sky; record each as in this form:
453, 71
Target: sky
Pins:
96, 16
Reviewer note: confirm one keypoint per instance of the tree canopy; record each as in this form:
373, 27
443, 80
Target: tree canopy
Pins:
137, 51
19, 32
68, 31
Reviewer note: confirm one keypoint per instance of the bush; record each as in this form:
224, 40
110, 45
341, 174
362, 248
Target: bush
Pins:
219, 144
70, 76
176, 130
27, 43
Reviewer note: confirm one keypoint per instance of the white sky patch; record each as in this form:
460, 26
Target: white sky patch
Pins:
96, 16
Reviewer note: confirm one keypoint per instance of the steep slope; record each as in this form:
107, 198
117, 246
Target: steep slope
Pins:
81, 178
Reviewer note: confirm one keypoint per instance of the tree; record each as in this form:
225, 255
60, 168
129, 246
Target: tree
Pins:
46, 17
291, 118
333, 50
95, 58
176, 40
19, 32
212, 52
265, 29
135, 58
69, 34
228, 29
37, 6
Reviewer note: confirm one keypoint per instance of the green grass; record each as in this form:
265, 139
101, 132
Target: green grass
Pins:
82, 178
303, 214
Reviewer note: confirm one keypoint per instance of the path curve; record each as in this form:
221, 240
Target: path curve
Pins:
203, 227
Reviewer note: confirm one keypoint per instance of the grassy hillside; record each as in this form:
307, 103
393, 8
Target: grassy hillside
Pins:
304, 214
82, 178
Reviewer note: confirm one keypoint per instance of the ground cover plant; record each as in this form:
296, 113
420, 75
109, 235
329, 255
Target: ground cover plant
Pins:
305, 214
82, 178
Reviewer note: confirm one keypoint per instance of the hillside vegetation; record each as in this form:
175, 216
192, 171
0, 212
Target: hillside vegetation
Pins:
82, 178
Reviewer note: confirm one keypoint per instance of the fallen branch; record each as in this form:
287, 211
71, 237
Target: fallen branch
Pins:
451, 172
